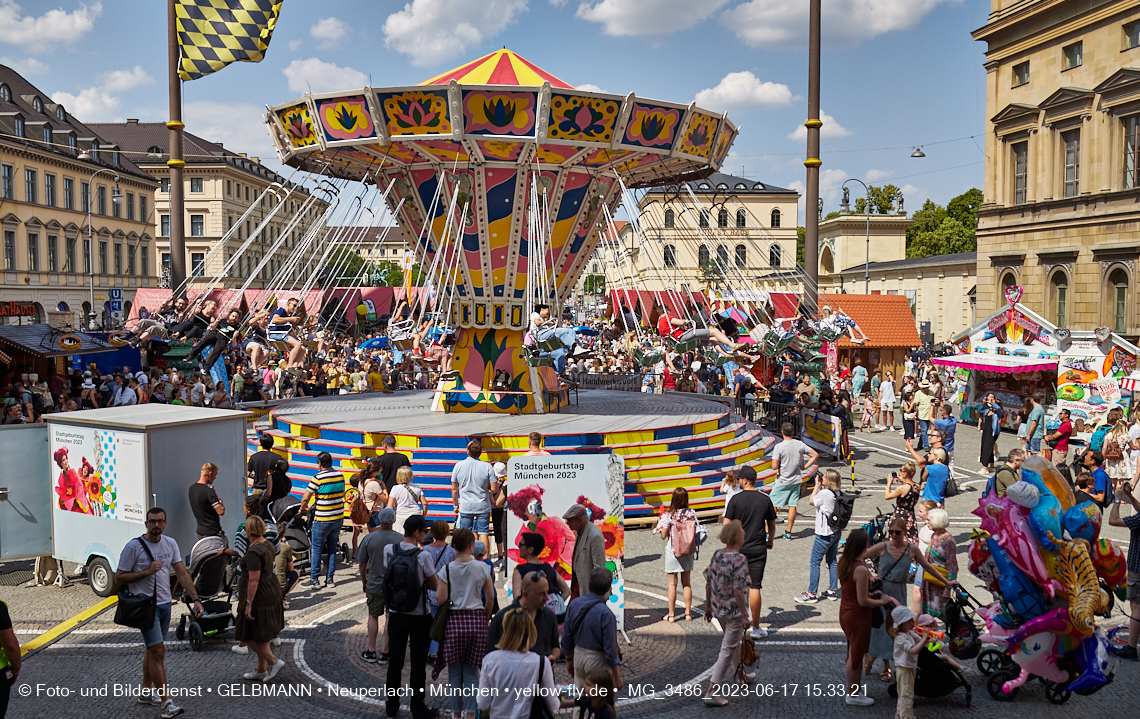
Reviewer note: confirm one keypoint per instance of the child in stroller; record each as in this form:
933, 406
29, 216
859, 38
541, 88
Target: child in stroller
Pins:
937, 674
209, 568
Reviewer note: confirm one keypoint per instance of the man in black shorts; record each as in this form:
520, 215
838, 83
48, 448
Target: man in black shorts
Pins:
757, 514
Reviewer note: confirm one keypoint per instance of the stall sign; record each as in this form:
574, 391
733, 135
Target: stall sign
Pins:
18, 309
823, 433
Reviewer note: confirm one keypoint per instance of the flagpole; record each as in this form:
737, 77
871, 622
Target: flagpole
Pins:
176, 163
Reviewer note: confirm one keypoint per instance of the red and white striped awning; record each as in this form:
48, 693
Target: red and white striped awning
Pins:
1131, 382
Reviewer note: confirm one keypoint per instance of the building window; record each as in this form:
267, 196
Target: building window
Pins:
722, 218
722, 256
229, 187
1021, 74
703, 256
38, 105
18, 126
1118, 299
741, 256
9, 250
195, 184
1072, 141
741, 218
87, 257
775, 256
69, 256
130, 259
144, 215
85, 196
118, 258
49, 190
130, 205
47, 134
247, 193
164, 225
5, 93
198, 264
144, 261
102, 258
68, 193
53, 253
197, 226
1073, 56
1131, 151
114, 157
670, 255
1059, 286
1020, 170
33, 252
7, 182
775, 219
704, 218
101, 199
72, 143
29, 185
165, 184
1131, 35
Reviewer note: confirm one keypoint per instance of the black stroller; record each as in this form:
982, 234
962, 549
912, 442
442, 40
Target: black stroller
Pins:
294, 529
935, 679
211, 571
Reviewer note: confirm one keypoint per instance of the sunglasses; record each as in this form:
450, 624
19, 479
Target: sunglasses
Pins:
893, 532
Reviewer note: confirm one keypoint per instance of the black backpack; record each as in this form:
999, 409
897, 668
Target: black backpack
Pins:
841, 515
403, 589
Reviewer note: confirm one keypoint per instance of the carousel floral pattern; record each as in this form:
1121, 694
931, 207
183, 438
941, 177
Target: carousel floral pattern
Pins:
499, 113
417, 113
651, 126
346, 118
698, 137
298, 125
582, 118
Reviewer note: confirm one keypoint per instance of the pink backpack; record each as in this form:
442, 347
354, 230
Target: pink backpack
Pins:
684, 535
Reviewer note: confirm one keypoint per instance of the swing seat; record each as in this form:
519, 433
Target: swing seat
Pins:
688, 345
534, 359
550, 344
404, 344
829, 334
280, 345
722, 360
647, 358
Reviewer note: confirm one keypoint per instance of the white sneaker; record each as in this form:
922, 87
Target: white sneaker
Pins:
171, 710
276, 642
860, 700
758, 633
274, 670
239, 649
254, 676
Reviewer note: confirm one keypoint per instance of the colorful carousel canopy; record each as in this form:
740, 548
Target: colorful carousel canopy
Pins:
480, 136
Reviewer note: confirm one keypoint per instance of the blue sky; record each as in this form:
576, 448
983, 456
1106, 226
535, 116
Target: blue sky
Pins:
896, 73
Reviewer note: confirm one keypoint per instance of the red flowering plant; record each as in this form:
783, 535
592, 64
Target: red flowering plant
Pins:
526, 504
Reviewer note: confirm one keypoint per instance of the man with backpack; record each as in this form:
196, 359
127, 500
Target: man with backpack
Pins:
1007, 474
409, 574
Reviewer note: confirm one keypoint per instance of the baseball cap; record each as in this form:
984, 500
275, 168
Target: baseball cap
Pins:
500, 469
387, 516
413, 524
480, 548
747, 473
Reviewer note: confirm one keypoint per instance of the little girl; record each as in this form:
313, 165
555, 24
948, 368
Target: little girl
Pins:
729, 486
869, 412
908, 643
598, 696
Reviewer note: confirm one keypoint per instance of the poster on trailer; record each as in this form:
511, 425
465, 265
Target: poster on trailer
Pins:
99, 472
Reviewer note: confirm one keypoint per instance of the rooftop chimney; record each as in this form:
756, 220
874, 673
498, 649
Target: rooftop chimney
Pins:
256, 159
241, 154
132, 121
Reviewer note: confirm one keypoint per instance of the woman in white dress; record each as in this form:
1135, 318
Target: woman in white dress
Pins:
406, 498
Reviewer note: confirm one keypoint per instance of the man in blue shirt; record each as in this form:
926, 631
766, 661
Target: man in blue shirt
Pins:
1036, 423
1102, 485
589, 636
935, 469
947, 425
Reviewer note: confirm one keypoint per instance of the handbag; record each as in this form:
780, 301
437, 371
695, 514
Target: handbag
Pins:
137, 610
538, 708
439, 623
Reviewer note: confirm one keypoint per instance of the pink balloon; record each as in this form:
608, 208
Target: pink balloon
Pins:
1037, 654
1016, 538
989, 509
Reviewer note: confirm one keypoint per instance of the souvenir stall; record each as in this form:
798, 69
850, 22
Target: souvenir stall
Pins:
1015, 352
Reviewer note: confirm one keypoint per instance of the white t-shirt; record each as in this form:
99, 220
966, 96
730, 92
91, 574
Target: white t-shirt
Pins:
197, 392
887, 392
824, 506
406, 498
465, 580
135, 559
1134, 435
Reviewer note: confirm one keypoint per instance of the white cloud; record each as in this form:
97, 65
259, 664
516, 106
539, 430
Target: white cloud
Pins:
329, 31
744, 91
589, 87
830, 130
294, 44
27, 66
913, 196
876, 175
120, 80
54, 26
237, 125
434, 31
845, 23
638, 17
90, 105
830, 188
315, 75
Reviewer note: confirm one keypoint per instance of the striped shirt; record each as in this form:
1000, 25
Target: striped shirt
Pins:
328, 487
241, 541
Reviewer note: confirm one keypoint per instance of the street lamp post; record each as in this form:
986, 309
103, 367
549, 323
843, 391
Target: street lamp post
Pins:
846, 207
117, 199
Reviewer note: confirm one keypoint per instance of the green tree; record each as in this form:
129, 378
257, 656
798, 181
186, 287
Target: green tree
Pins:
883, 200
347, 266
801, 232
594, 285
831, 216
964, 208
710, 275
938, 230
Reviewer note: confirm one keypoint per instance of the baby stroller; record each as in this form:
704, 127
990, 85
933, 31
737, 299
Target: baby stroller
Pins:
963, 640
294, 529
210, 570
876, 530
935, 679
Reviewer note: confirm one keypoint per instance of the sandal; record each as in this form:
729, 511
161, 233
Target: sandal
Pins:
688, 617
868, 665
886, 675
669, 618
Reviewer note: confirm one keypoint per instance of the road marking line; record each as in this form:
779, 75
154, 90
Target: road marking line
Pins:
67, 625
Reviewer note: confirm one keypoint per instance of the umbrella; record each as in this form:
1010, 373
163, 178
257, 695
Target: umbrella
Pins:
588, 331
376, 343
734, 313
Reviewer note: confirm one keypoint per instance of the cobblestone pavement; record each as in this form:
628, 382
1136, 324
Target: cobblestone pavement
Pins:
799, 672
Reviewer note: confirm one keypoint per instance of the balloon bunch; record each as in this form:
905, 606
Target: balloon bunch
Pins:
1041, 555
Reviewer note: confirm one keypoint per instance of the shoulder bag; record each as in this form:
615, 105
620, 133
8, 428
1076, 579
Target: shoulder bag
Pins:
538, 708
439, 623
137, 610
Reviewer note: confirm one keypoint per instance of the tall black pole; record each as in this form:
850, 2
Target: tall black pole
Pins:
812, 163
176, 163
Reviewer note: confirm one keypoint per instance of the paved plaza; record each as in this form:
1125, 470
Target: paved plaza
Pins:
665, 665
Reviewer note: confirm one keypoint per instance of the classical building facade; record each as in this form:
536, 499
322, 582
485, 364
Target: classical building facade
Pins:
220, 185
55, 171
1062, 194
738, 230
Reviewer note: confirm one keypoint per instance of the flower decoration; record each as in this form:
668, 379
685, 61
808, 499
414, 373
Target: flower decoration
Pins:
69, 492
109, 500
596, 513
94, 488
346, 119
614, 535
582, 118
299, 125
652, 126
417, 113
698, 137
518, 501
499, 113
559, 538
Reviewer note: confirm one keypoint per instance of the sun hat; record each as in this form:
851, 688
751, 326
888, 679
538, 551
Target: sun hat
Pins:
500, 469
924, 620
901, 614
88, 384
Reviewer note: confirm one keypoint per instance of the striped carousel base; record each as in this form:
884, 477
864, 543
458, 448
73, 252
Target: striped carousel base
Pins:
668, 441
